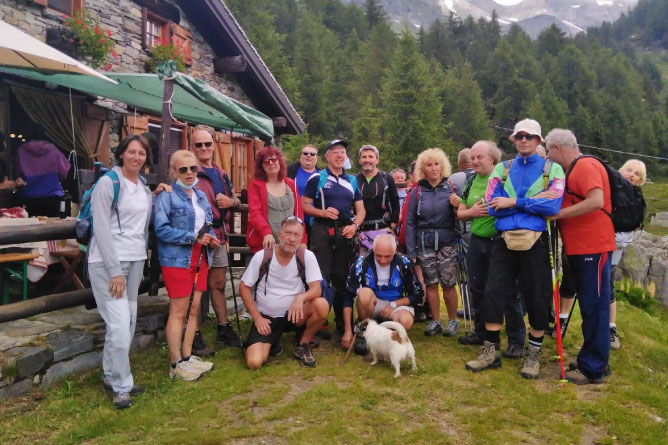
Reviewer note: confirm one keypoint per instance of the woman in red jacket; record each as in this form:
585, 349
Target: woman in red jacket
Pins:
272, 197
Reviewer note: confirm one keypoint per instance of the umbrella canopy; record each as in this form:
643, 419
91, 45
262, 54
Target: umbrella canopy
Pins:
21, 50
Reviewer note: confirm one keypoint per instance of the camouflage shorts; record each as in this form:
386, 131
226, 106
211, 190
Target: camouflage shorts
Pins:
439, 267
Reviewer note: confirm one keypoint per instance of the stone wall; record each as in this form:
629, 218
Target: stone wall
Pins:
646, 260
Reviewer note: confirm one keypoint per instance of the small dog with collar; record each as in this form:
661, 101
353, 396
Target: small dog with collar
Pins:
388, 341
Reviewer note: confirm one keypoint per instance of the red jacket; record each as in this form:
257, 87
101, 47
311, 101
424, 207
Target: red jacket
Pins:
258, 224
205, 184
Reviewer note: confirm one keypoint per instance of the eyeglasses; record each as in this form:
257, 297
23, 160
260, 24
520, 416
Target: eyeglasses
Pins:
309, 153
203, 144
528, 137
184, 170
270, 161
293, 218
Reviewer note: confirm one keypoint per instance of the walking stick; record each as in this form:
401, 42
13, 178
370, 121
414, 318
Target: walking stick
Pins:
570, 314
350, 348
463, 286
205, 229
234, 292
555, 294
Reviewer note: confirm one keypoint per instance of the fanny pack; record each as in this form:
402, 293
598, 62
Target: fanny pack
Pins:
520, 240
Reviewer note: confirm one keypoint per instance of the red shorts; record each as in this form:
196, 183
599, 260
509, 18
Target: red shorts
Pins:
179, 280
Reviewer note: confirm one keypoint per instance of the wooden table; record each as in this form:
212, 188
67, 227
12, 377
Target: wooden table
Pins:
6, 259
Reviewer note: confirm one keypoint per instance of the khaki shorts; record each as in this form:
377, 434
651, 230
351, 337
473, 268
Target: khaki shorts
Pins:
220, 257
439, 267
380, 304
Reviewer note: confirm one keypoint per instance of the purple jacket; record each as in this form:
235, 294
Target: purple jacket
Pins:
43, 167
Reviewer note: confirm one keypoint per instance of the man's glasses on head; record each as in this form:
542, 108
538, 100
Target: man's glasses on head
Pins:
294, 218
528, 137
309, 153
203, 144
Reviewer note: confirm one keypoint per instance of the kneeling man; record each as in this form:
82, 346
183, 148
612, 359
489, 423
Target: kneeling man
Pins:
287, 297
386, 287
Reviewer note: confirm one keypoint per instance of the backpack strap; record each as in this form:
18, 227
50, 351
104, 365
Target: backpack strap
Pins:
116, 183
353, 182
467, 187
418, 198
568, 173
547, 168
322, 180
264, 269
301, 264
506, 170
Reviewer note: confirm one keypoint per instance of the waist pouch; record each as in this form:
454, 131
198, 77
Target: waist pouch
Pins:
521, 239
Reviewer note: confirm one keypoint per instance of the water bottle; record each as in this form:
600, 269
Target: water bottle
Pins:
65, 205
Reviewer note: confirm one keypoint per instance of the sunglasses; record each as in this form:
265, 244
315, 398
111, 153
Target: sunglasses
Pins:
309, 153
184, 170
203, 144
294, 218
270, 161
528, 137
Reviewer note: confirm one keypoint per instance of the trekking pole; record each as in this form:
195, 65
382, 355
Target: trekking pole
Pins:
463, 286
205, 229
350, 348
570, 314
555, 294
234, 292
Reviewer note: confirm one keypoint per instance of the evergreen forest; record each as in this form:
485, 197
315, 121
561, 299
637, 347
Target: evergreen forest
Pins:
353, 75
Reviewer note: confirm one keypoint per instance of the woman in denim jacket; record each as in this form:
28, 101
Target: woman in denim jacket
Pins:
177, 219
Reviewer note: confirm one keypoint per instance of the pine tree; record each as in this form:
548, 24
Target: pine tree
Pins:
374, 12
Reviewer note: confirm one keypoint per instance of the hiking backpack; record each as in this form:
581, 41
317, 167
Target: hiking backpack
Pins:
627, 200
386, 205
547, 167
84, 224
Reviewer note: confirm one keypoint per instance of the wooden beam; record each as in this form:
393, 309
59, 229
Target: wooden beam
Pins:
37, 232
233, 64
279, 122
165, 130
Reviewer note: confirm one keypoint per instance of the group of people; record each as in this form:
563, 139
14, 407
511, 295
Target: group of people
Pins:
378, 242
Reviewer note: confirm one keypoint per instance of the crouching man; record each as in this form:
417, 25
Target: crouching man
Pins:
386, 287
287, 297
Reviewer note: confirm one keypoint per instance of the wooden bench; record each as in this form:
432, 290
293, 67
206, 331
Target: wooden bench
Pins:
7, 273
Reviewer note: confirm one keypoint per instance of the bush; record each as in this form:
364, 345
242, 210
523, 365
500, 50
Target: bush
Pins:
637, 295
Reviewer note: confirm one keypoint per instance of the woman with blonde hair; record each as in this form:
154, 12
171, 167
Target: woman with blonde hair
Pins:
431, 236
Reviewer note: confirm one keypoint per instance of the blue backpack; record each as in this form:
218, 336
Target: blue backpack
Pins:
84, 225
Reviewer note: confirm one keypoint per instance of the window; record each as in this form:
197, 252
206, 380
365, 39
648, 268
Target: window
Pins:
155, 29
69, 7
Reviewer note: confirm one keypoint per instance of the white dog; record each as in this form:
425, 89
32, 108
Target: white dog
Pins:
388, 340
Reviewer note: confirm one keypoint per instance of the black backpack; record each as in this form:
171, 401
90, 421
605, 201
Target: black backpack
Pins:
628, 202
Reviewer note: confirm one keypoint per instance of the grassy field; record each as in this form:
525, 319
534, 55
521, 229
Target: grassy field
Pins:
356, 403
656, 197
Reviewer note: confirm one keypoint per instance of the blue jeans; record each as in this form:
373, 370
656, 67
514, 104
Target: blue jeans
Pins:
593, 290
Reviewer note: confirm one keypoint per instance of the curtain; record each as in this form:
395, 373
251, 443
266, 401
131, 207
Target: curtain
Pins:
53, 114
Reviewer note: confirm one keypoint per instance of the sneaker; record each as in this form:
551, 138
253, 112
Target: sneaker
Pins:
514, 351
199, 364
304, 354
122, 400
227, 336
200, 346
276, 349
471, 339
184, 372
607, 370
577, 377
360, 347
531, 364
614, 339
563, 323
433, 328
420, 316
136, 389
489, 358
451, 328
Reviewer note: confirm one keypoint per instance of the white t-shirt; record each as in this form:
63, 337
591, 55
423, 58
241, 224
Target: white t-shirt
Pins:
283, 284
129, 243
200, 216
383, 273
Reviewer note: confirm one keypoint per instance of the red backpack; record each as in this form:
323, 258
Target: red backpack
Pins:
404, 212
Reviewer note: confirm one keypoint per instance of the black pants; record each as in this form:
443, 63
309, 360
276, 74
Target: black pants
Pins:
478, 259
335, 255
531, 268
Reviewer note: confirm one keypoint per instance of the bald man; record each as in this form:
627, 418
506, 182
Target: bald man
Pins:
386, 287
216, 184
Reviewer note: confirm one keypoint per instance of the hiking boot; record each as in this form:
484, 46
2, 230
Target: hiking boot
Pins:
451, 328
614, 339
489, 358
471, 339
433, 328
122, 400
577, 377
276, 349
199, 364
323, 332
360, 347
227, 336
201, 347
184, 372
514, 351
304, 354
531, 364
136, 389
563, 323
607, 371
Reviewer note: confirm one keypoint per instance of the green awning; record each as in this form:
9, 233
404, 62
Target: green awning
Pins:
194, 100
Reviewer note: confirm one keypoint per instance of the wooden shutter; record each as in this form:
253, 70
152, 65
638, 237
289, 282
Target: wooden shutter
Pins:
96, 132
222, 153
182, 38
134, 125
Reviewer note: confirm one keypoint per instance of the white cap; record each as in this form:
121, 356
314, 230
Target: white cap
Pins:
528, 126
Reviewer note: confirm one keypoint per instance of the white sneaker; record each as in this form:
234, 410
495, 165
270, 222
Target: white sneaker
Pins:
184, 372
199, 364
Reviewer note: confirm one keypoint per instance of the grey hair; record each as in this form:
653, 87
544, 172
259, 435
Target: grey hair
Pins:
561, 137
389, 237
398, 170
493, 150
463, 153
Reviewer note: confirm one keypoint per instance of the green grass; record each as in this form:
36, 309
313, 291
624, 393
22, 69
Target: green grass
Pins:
656, 197
440, 403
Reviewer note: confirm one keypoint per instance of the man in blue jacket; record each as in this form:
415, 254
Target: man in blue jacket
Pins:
386, 287
521, 193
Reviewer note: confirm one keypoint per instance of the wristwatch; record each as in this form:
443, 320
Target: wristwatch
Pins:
393, 305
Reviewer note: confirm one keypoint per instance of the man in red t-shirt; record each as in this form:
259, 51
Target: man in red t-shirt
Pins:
589, 240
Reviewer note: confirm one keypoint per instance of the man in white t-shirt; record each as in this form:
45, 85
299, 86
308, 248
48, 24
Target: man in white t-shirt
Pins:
281, 301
